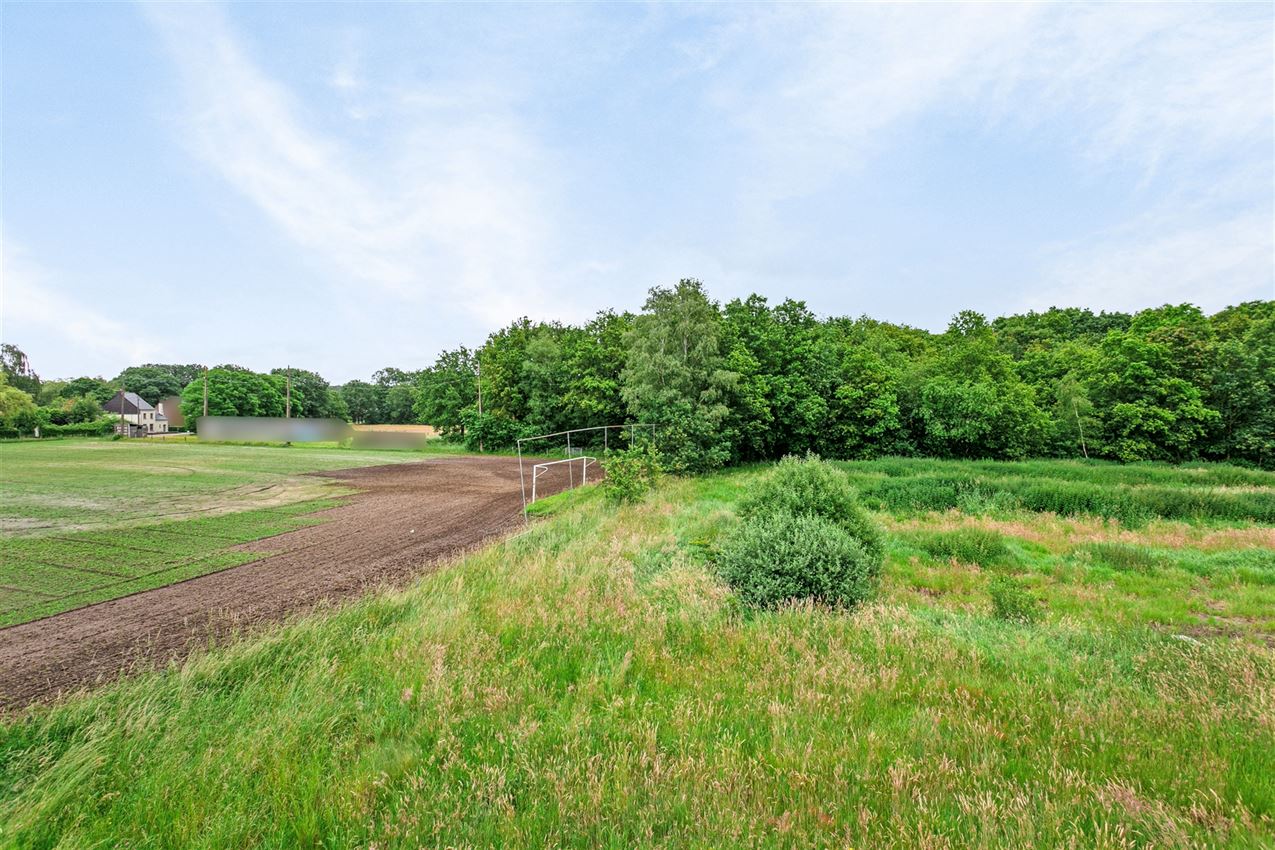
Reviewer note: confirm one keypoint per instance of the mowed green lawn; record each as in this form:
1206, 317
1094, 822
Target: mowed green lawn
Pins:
592, 683
83, 521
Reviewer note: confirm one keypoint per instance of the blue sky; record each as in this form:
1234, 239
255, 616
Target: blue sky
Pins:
344, 187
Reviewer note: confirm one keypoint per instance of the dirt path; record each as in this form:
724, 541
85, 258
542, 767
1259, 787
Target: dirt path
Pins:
407, 517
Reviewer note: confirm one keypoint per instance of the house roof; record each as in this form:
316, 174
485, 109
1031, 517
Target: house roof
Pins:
131, 402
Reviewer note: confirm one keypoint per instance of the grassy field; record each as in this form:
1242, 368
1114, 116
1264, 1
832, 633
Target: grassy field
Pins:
82, 521
591, 683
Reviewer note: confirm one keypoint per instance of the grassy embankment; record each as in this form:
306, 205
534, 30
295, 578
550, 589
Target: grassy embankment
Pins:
591, 683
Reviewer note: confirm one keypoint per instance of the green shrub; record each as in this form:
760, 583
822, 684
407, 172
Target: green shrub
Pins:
489, 431
812, 487
630, 473
780, 557
94, 428
1011, 601
1124, 557
967, 545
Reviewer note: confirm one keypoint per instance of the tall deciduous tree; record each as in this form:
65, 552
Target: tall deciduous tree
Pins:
312, 396
362, 402
233, 391
446, 390
971, 401
17, 370
677, 377
152, 382
1149, 386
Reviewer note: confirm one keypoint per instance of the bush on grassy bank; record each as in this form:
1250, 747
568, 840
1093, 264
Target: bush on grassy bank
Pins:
780, 557
804, 536
630, 473
813, 487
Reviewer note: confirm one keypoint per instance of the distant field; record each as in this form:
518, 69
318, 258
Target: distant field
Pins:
592, 683
65, 485
83, 521
41, 576
425, 430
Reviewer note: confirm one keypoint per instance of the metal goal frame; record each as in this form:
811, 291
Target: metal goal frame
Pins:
540, 468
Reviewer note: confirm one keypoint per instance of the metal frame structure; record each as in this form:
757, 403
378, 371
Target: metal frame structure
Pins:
538, 469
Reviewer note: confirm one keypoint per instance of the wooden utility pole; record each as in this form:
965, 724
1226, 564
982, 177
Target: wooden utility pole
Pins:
287, 403
480, 406
205, 390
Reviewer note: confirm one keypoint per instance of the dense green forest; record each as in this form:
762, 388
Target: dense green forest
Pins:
747, 380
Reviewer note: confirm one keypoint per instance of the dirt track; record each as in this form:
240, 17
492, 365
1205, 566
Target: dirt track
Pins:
407, 517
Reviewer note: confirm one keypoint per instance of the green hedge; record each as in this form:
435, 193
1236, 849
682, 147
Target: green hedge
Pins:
100, 428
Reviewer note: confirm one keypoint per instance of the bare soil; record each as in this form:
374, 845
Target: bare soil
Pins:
405, 519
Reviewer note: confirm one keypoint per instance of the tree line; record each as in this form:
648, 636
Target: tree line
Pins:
748, 380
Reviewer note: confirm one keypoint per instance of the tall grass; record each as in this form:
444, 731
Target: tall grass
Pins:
1132, 495
590, 683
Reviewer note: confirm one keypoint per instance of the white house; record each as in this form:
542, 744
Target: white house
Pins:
138, 411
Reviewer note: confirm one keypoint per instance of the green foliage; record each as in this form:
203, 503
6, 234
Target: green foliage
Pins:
152, 381
362, 402
233, 391
312, 397
16, 406
780, 557
448, 389
17, 370
677, 377
83, 409
489, 432
1011, 601
1148, 387
1123, 557
630, 472
70, 411
98, 389
99, 427
971, 401
966, 545
1242, 389
400, 404
1132, 495
812, 487
754, 381
803, 536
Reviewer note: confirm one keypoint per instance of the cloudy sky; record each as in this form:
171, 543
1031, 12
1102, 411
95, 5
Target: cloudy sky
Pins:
344, 187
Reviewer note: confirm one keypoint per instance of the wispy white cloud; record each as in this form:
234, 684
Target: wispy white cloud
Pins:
444, 169
454, 209
1176, 96
33, 303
